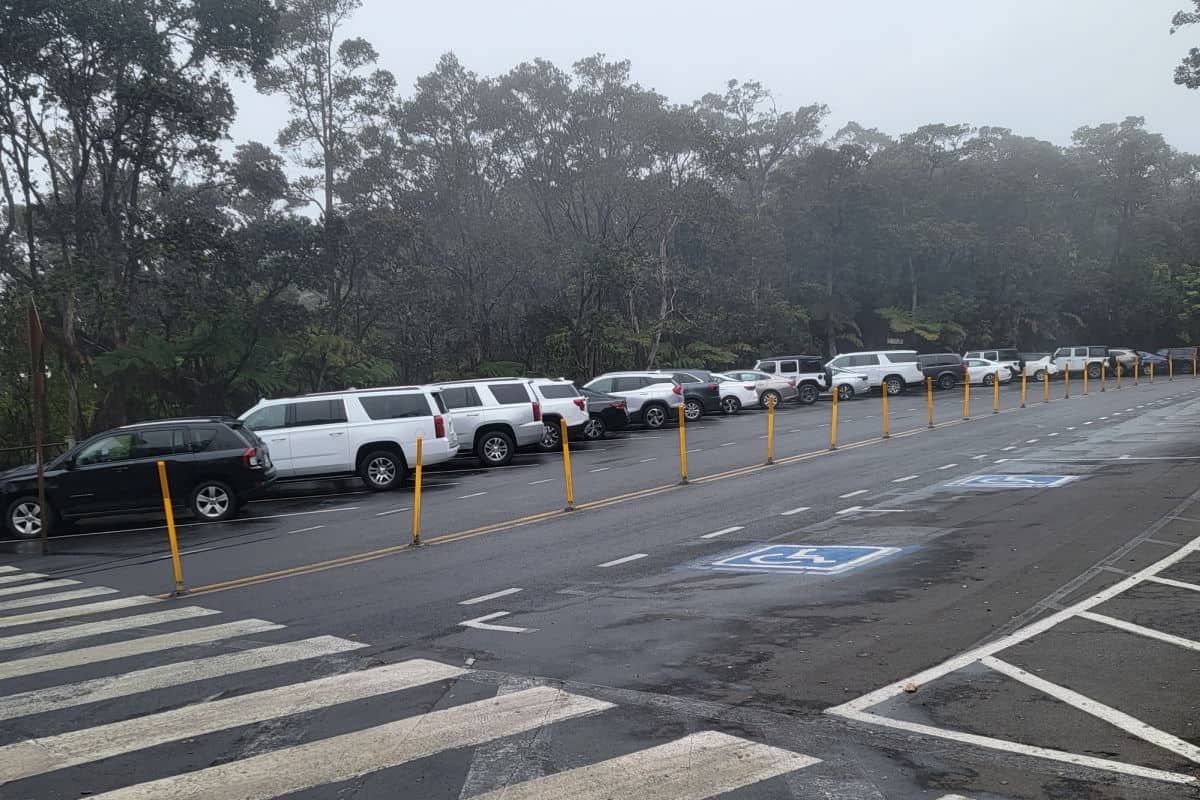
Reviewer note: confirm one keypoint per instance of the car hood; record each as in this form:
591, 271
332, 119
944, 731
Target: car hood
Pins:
18, 473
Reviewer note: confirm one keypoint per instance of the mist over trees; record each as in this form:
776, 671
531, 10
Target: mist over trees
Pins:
554, 219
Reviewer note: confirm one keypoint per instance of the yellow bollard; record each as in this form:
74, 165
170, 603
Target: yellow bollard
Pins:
884, 394
1067, 382
1170, 367
1103, 376
1023, 385
1137, 368
967, 396
771, 428
682, 447
833, 424
1118, 374
996, 392
170, 512
1194, 349
1152, 372
929, 398
1046, 386
416, 540
566, 448
1085, 379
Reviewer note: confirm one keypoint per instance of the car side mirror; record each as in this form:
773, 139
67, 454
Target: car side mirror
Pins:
69, 463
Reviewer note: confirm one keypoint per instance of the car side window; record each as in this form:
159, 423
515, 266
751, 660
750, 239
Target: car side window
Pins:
317, 412
107, 450
395, 406
153, 443
460, 397
601, 385
767, 367
267, 419
1098, 351
789, 366
841, 362
510, 394
1062, 352
629, 383
866, 360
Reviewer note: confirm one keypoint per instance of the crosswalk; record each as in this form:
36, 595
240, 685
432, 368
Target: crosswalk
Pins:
83, 659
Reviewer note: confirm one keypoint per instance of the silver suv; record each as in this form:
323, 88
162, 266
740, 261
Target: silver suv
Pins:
494, 417
651, 398
560, 401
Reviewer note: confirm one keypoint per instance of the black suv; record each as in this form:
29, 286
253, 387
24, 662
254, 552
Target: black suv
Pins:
946, 369
214, 465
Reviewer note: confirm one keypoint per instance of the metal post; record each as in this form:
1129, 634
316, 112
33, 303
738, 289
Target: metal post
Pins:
1103, 376
1137, 369
1118, 375
1024, 382
682, 446
967, 396
416, 539
566, 451
1085, 379
771, 428
833, 424
1170, 367
1152, 372
996, 392
170, 512
1194, 349
884, 394
1067, 382
1046, 386
929, 398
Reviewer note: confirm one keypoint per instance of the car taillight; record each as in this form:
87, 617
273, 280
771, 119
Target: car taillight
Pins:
537, 412
619, 404
581, 403
712, 387
439, 427
677, 389
250, 458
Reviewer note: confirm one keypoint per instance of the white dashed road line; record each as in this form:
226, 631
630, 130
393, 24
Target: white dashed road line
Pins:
947, 466
906, 479
794, 511
605, 469
722, 532
1006, 449
979, 457
625, 560
855, 493
850, 510
473, 494
482, 624
485, 597
391, 511
543, 480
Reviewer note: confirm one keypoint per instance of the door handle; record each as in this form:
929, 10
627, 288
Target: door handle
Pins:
473, 414
338, 433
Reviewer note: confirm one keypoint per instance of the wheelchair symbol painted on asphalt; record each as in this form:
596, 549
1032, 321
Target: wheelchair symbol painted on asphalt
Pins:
1013, 481
802, 559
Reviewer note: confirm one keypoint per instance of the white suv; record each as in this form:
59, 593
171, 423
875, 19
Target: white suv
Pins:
494, 416
560, 401
371, 432
651, 398
894, 369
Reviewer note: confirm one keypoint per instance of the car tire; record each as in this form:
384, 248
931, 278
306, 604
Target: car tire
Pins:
594, 429
845, 391
22, 518
495, 449
765, 398
551, 437
893, 385
655, 416
808, 394
693, 410
212, 501
730, 405
1093, 371
989, 379
1039, 376
946, 381
381, 470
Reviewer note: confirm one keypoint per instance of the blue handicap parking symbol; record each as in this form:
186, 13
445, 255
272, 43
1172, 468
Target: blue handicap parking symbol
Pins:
802, 559
1013, 481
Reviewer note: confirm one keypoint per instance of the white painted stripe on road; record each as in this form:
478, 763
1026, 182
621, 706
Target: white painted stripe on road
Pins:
134, 647
539, 483
69, 695
1089, 422
61, 597
87, 629
23, 576
36, 587
1002, 460
855, 493
695, 767
1052, 435
1172, 582
352, 755
906, 479
625, 560
7, 568
1071, 428
289, 533
978, 457
947, 466
722, 532
794, 511
1141, 630
1103, 418
727, 444
392, 511
606, 469
648, 460
75, 611
1118, 719
473, 494
71, 749
481, 623
485, 597
1030, 441
850, 510
1007, 449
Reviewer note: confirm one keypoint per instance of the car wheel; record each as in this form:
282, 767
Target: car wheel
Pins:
766, 398
1039, 376
23, 519
989, 379
551, 437
893, 385
946, 381
594, 429
809, 394
1093, 371
654, 416
693, 410
845, 391
213, 501
494, 449
730, 405
381, 470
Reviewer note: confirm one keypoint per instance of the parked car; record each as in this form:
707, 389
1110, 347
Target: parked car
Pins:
653, 399
894, 369
701, 394
1039, 365
848, 384
985, 371
735, 394
1148, 359
1126, 358
1080, 357
807, 371
214, 465
494, 417
371, 433
1180, 356
1008, 356
946, 369
606, 412
767, 386
560, 401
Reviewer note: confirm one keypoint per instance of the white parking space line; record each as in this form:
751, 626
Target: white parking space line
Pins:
84, 630
543, 480
606, 469
1118, 719
1030, 441
1141, 630
482, 624
794, 511
485, 597
37, 587
22, 576
1001, 461
722, 532
473, 494
624, 560
855, 493
947, 466
906, 479
1007, 449
727, 444
978, 457
850, 510
134, 647
1172, 582
1103, 418
37, 756
61, 597
392, 511
1089, 422
111, 687
1071, 428
1052, 435
648, 460
698, 766
298, 530
352, 755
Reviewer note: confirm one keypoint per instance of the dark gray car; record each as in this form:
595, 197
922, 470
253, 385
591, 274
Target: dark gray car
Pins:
701, 392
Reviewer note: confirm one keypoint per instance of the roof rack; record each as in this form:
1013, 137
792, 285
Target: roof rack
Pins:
178, 421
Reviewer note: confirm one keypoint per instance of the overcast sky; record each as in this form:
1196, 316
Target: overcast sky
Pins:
1040, 67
